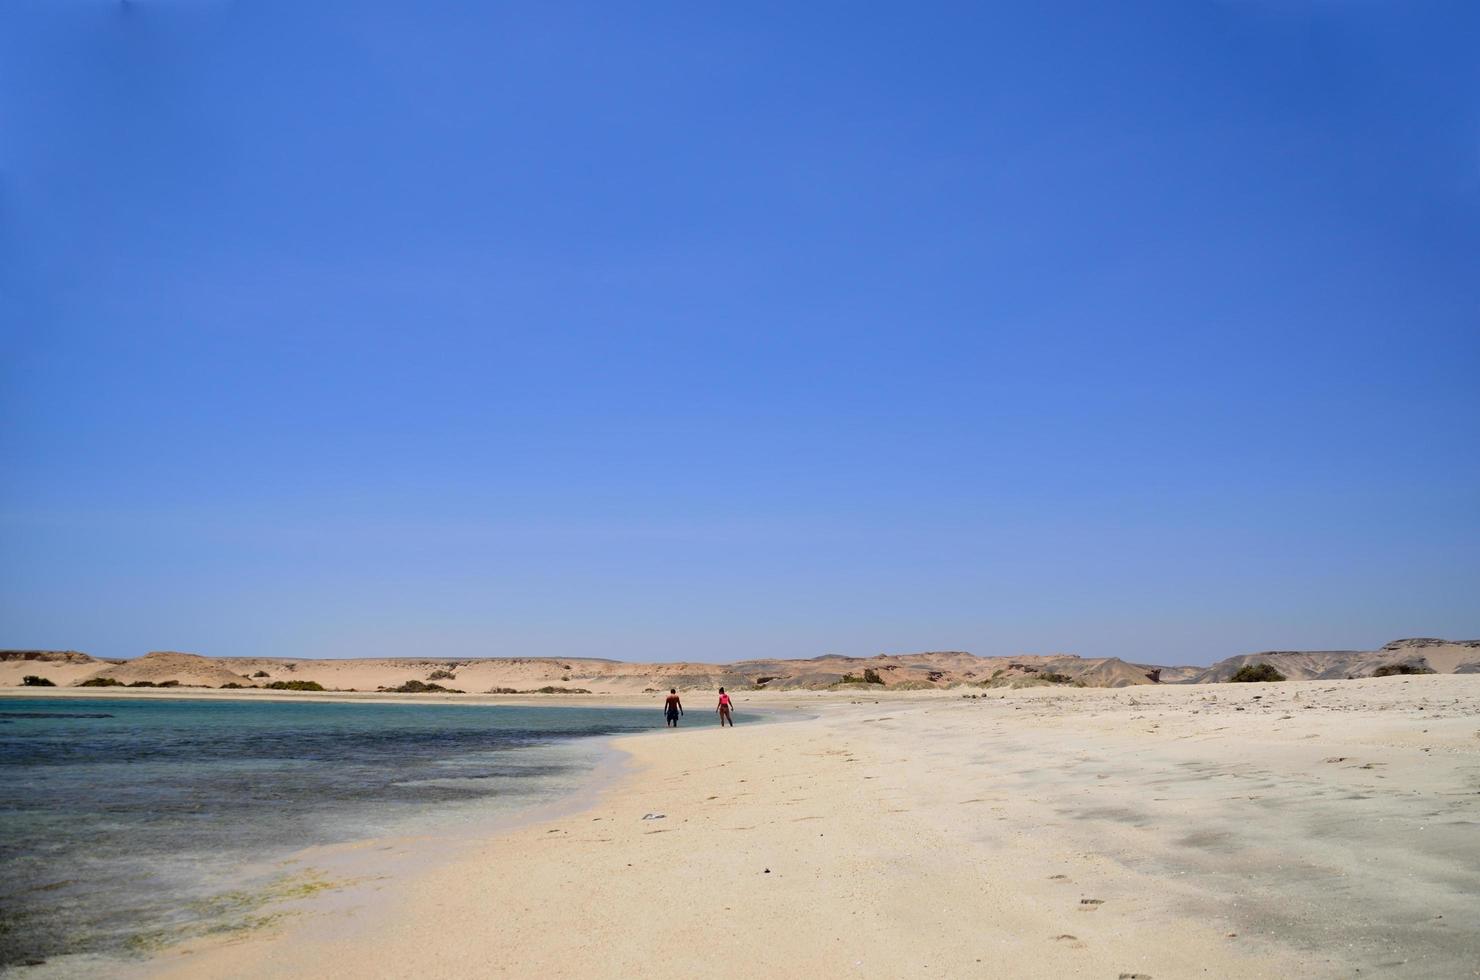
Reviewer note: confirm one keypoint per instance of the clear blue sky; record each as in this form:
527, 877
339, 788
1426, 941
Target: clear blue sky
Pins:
662, 331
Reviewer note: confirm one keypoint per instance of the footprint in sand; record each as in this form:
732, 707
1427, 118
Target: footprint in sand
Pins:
1058, 877
1090, 904
1135, 976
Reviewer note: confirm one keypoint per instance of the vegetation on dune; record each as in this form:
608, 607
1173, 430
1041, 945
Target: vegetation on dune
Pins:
870, 676
1390, 670
294, 686
260, 673
549, 690
441, 675
101, 682
234, 686
31, 680
420, 687
1017, 682
1254, 673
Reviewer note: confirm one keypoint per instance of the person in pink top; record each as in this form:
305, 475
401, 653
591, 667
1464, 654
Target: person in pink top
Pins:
724, 709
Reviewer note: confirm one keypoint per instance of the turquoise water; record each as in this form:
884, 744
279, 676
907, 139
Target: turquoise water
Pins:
125, 819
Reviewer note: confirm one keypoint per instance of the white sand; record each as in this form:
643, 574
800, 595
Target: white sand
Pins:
1327, 827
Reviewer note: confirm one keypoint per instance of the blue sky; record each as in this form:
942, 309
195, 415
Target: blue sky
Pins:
657, 331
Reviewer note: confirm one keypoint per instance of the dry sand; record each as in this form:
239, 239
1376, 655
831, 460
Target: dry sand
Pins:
1310, 829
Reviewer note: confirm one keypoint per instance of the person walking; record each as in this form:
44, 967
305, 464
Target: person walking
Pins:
724, 710
672, 708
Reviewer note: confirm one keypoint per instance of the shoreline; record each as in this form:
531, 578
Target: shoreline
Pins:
770, 701
258, 884
373, 697
416, 905
1310, 828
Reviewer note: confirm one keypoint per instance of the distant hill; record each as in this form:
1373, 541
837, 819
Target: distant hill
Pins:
1439, 656
891, 671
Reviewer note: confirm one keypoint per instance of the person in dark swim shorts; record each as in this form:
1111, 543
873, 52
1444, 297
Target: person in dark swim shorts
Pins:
672, 708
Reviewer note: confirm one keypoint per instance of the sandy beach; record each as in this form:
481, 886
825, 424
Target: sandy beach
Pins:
1304, 828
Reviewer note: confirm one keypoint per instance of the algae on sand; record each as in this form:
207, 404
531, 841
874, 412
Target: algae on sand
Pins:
238, 911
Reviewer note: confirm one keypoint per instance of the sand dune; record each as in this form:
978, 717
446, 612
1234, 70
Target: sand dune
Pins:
1439, 656
893, 671
61, 667
185, 668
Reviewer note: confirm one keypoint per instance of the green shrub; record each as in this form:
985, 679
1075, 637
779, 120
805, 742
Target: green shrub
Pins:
420, 687
510, 690
142, 684
101, 682
294, 686
558, 690
1053, 678
441, 675
31, 680
870, 676
260, 673
1253, 673
234, 686
1390, 670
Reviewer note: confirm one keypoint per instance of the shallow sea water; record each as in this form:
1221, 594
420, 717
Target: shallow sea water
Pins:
126, 823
